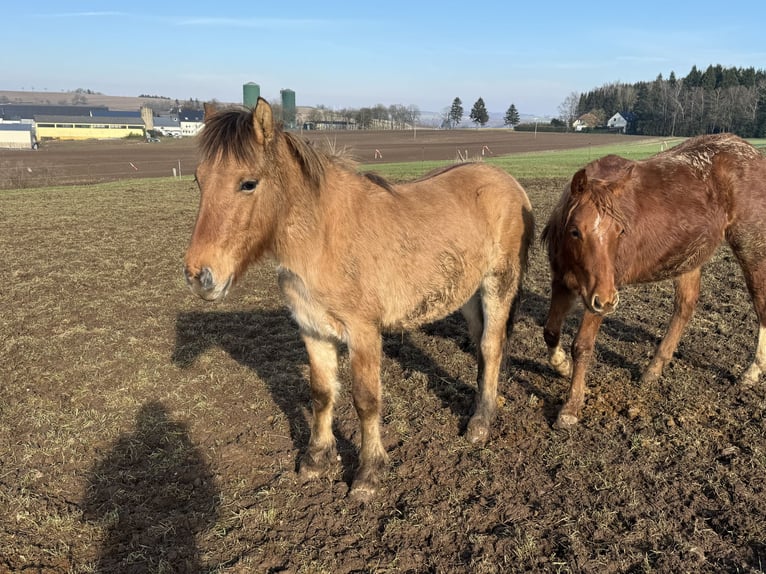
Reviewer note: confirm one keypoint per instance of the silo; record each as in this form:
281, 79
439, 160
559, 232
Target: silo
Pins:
250, 94
288, 108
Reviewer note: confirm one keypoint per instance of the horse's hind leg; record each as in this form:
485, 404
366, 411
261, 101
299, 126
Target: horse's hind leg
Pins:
687, 289
496, 300
365, 352
323, 360
474, 317
754, 268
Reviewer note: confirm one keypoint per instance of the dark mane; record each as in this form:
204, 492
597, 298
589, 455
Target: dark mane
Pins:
379, 180
230, 136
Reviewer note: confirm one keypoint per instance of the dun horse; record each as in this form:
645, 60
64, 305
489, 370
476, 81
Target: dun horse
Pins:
356, 256
621, 222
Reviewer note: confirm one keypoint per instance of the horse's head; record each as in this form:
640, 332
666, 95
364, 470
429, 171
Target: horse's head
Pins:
589, 236
238, 204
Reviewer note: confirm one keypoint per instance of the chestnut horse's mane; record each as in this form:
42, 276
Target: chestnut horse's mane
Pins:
229, 135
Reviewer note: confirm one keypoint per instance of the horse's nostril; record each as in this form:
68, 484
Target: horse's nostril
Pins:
205, 278
596, 302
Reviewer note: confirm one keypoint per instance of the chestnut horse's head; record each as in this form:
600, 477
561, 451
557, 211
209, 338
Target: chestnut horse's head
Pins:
583, 237
239, 200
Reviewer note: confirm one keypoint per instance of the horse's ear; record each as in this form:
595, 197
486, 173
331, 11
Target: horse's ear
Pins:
209, 109
579, 183
263, 122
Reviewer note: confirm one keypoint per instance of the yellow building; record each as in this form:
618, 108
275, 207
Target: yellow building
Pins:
88, 127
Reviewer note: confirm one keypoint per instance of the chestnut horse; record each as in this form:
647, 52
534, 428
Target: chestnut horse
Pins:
357, 255
622, 222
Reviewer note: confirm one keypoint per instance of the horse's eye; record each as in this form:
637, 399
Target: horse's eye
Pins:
575, 233
248, 186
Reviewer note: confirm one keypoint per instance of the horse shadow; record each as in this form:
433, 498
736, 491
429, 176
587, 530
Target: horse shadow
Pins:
154, 493
268, 343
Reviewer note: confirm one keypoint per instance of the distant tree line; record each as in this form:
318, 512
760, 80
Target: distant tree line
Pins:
716, 100
380, 116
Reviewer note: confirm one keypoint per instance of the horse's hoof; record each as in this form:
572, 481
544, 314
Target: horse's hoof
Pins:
563, 368
564, 421
649, 377
477, 432
313, 465
307, 473
362, 493
748, 381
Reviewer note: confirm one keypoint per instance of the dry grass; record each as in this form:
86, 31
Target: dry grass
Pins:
142, 430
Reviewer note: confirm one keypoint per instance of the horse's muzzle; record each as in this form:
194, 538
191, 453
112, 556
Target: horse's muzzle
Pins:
604, 306
203, 284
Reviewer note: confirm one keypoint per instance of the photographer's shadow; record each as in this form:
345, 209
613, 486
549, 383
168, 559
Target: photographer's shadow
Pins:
153, 492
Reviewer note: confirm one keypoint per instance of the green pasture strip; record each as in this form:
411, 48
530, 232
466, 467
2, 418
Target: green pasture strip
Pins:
564, 163
547, 164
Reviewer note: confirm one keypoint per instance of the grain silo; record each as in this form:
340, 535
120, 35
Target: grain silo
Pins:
250, 94
288, 108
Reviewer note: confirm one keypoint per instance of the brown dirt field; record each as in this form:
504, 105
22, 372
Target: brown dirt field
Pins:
69, 162
142, 430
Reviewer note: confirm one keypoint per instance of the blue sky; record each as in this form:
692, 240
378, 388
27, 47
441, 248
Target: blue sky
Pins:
355, 54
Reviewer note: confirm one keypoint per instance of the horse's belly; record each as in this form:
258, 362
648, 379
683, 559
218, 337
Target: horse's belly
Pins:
437, 298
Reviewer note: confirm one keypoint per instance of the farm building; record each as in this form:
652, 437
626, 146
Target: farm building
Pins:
191, 121
16, 112
89, 127
584, 122
621, 122
17, 136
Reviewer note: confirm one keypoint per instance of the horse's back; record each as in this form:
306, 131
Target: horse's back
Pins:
433, 241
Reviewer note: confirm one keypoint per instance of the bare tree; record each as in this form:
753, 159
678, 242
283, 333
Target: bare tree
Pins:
568, 109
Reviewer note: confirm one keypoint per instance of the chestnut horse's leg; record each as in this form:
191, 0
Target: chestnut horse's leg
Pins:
753, 265
364, 349
687, 293
582, 352
496, 301
323, 360
561, 302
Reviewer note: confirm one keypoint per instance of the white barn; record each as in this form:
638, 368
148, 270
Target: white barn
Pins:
17, 136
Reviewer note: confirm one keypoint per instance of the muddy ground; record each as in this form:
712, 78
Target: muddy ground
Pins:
142, 430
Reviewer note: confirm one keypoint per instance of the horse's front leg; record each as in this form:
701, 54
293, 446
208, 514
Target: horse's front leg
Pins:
686, 295
323, 361
365, 353
582, 352
561, 302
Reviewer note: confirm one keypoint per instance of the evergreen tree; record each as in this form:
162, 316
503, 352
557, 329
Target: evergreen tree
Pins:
455, 115
512, 116
479, 113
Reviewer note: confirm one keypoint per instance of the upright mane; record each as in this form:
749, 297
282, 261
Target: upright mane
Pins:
230, 136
